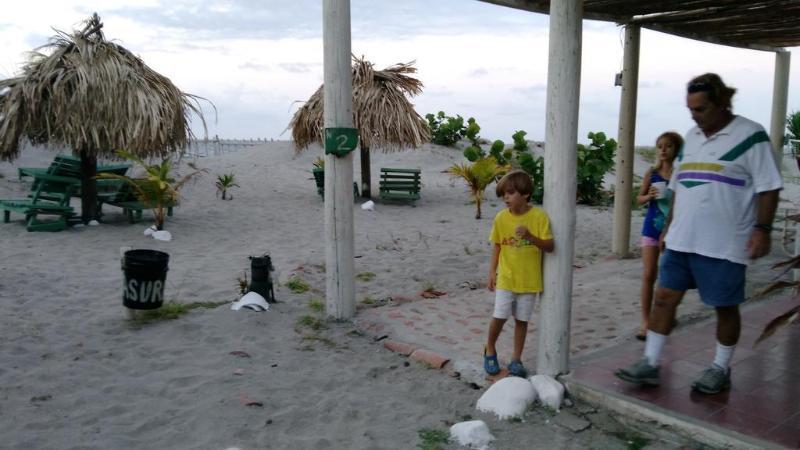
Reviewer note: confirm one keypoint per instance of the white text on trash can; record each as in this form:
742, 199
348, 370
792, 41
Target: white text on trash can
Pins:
149, 291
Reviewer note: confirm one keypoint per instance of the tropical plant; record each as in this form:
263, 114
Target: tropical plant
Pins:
793, 314
225, 182
159, 188
793, 135
478, 175
594, 161
445, 130
319, 163
382, 114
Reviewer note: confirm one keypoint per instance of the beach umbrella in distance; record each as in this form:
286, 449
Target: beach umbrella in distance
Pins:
93, 96
382, 113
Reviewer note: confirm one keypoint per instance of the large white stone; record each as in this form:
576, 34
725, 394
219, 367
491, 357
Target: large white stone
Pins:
550, 391
509, 397
472, 434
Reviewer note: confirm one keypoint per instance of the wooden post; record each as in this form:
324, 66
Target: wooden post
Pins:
366, 175
626, 138
560, 181
88, 187
780, 95
338, 98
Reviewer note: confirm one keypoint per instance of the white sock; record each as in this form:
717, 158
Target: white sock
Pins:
652, 347
723, 356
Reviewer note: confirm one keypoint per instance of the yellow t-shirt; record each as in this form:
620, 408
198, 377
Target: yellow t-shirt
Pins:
520, 267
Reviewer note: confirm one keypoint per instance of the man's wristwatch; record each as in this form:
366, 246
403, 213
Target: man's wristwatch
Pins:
762, 227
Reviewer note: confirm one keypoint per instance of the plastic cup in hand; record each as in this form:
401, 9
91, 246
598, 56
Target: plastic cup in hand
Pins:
661, 189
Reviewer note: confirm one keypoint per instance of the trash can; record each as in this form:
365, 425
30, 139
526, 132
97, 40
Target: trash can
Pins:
145, 274
261, 277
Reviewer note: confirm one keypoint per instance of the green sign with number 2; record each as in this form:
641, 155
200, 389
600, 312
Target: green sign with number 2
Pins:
340, 141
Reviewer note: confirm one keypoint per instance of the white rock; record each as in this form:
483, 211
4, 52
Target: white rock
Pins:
162, 235
507, 398
550, 391
472, 434
368, 205
93, 223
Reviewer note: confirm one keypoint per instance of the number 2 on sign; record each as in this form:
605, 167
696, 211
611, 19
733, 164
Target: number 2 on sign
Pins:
342, 147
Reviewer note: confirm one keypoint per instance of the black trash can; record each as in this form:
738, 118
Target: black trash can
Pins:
145, 275
261, 279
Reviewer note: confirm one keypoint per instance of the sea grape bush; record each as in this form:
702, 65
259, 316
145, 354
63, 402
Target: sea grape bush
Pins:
446, 130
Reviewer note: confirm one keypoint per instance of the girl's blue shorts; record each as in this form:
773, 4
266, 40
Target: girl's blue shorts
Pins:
720, 282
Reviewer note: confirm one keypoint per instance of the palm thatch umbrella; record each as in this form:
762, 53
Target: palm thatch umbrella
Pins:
382, 114
95, 97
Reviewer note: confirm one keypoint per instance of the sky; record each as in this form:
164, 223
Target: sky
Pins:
258, 60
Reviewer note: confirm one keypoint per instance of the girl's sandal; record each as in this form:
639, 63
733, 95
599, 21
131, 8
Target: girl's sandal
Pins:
490, 364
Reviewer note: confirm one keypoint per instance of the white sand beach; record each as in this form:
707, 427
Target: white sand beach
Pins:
75, 373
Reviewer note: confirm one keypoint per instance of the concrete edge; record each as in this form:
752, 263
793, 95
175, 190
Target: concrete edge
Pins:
640, 411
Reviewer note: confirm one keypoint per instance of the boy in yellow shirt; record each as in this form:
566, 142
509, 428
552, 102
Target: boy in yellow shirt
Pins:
520, 234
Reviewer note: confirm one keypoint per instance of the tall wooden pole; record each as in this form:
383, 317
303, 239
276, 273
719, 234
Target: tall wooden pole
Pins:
626, 137
560, 181
338, 98
780, 96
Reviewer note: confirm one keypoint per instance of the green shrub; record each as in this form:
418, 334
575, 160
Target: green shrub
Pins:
446, 130
472, 131
594, 161
473, 153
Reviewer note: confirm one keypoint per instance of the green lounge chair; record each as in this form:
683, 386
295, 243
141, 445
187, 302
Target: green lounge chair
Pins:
50, 197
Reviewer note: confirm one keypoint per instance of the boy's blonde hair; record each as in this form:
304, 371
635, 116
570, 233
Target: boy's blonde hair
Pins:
515, 181
677, 142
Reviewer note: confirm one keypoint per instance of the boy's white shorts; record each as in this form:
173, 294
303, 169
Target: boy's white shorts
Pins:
507, 304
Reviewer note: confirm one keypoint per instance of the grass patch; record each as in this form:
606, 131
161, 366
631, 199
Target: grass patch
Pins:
431, 439
171, 311
634, 441
309, 321
356, 333
317, 305
297, 285
365, 276
368, 300
428, 286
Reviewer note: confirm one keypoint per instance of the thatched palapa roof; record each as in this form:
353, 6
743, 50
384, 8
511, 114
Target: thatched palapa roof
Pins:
763, 25
93, 96
382, 114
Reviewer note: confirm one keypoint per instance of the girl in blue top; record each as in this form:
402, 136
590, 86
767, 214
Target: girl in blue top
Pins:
657, 196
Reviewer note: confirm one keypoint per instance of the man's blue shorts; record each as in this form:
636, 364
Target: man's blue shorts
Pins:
719, 281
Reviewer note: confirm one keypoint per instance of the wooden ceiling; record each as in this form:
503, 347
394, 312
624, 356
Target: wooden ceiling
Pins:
762, 25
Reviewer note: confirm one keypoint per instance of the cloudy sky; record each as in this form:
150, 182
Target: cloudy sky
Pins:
256, 60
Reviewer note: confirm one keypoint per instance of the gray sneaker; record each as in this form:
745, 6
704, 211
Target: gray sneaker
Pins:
713, 380
640, 373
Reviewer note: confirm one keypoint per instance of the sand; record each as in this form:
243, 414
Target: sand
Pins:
75, 372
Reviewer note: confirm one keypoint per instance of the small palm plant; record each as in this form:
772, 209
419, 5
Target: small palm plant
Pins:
158, 190
225, 182
478, 175
793, 314
793, 127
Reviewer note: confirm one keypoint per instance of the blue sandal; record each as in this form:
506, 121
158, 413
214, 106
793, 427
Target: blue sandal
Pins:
515, 368
490, 364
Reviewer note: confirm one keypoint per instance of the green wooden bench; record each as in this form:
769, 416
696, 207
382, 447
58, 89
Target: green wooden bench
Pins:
50, 197
399, 184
